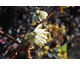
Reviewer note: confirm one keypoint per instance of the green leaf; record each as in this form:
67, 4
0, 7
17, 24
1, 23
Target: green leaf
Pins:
64, 47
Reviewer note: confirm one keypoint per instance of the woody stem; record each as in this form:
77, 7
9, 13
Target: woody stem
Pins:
17, 49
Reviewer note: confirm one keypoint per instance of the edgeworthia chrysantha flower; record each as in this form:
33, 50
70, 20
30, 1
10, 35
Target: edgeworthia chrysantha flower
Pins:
38, 36
38, 16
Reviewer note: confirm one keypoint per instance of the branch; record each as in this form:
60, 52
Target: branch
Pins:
11, 38
17, 49
23, 48
51, 13
28, 51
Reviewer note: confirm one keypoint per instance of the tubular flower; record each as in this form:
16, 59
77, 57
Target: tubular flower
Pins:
38, 16
63, 30
38, 36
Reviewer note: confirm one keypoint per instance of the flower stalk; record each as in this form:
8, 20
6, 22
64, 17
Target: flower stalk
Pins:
28, 51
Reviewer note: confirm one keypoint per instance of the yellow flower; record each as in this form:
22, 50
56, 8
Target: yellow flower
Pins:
59, 54
45, 52
38, 36
51, 49
57, 46
59, 50
68, 37
46, 47
40, 53
55, 28
49, 37
63, 30
63, 27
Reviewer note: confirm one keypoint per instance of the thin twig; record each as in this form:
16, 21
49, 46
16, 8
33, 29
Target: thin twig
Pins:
28, 51
11, 38
17, 49
51, 13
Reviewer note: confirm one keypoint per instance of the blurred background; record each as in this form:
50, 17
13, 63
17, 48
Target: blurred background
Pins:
17, 20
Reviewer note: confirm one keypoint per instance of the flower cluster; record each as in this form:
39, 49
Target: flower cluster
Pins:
38, 16
38, 36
